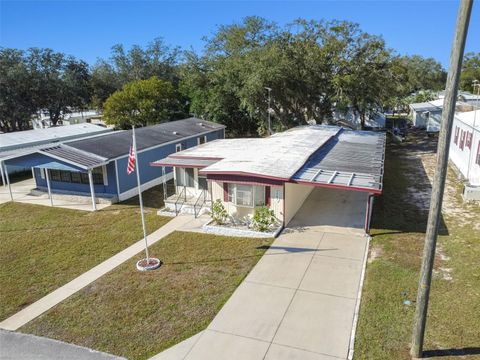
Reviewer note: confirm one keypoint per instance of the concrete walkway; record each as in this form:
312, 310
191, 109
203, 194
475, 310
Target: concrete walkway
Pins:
299, 302
47, 302
24, 346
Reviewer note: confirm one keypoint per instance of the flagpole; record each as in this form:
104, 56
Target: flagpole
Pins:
137, 170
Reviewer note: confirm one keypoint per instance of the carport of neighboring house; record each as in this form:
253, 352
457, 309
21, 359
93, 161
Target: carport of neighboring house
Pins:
43, 164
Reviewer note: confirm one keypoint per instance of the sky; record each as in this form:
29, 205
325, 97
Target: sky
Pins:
88, 29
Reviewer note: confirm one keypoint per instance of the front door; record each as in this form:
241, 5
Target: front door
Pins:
202, 183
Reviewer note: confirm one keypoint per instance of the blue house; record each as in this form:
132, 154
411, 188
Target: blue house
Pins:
97, 166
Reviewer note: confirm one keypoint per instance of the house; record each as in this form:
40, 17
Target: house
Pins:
19, 143
42, 120
465, 151
373, 119
279, 171
425, 112
428, 115
96, 166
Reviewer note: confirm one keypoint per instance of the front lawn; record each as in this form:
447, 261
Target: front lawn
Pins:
399, 220
136, 314
43, 248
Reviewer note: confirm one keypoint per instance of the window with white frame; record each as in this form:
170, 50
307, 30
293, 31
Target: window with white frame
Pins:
178, 147
246, 195
202, 140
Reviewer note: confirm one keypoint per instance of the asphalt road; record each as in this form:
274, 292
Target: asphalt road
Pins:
16, 346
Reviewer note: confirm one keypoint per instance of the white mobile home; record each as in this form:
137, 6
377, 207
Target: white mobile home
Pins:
465, 146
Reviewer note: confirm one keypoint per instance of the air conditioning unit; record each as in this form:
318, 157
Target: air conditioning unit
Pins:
471, 193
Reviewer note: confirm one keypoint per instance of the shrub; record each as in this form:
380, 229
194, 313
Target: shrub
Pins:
263, 219
219, 214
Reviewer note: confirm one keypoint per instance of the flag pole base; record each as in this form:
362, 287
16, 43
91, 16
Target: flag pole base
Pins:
153, 263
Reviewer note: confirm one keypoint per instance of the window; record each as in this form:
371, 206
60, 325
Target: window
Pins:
478, 153
185, 177
178, 147
246, 195
202, 140
77, 177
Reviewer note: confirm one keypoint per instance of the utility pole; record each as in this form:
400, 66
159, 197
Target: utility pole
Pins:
454, 69
269, 110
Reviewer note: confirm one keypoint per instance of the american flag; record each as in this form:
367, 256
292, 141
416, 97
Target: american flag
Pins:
131, 161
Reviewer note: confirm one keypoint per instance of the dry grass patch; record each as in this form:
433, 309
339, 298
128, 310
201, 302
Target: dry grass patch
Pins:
399, 221
136, 314
43, 248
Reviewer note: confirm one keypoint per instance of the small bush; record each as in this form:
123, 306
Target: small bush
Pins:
219, 214
263, 219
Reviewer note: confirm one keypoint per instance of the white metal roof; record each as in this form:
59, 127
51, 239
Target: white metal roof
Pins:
28, 138
278, 156
468, 118
434, 105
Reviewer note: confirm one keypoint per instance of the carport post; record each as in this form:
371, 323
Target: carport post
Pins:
164, 184
3, 175
8, 180
47, 177
92, 189
368, 214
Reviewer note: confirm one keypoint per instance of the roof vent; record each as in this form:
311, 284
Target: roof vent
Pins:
175, 133
201, 124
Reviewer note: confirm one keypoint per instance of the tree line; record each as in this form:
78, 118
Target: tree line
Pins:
311, 67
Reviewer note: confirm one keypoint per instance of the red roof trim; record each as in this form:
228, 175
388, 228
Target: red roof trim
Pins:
241, 179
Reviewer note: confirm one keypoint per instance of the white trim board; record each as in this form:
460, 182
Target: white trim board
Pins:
132, 192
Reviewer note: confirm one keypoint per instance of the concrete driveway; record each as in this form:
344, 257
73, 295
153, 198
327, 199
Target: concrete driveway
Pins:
298, 302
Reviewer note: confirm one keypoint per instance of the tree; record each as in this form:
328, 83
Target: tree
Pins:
137, 63
60, 83
16, 100
141, 103
470, 71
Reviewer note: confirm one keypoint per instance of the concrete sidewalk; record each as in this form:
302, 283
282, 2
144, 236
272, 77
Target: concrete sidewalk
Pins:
299, 302
39, 307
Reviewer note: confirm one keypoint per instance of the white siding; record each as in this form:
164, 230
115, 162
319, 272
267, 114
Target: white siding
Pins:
295, 196
276, 201
463, 156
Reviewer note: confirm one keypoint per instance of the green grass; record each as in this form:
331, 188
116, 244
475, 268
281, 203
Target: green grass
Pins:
43, 248
136, 314
385, 324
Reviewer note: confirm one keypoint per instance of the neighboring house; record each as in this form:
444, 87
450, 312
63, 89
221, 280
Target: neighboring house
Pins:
97, 166
279, 171
428, 115
465, 150
19, 143
423, 113
42, 120
470, 99
374, 119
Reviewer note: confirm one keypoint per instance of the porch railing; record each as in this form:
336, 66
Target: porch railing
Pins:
203, 198
181, 199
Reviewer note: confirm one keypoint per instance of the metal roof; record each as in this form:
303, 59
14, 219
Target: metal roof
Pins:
74, 156
352, 159
118, 143
54, 165
278, 156
316, 155
29, 138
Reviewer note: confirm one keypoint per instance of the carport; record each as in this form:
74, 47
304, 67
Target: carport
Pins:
335, 188
53, 158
